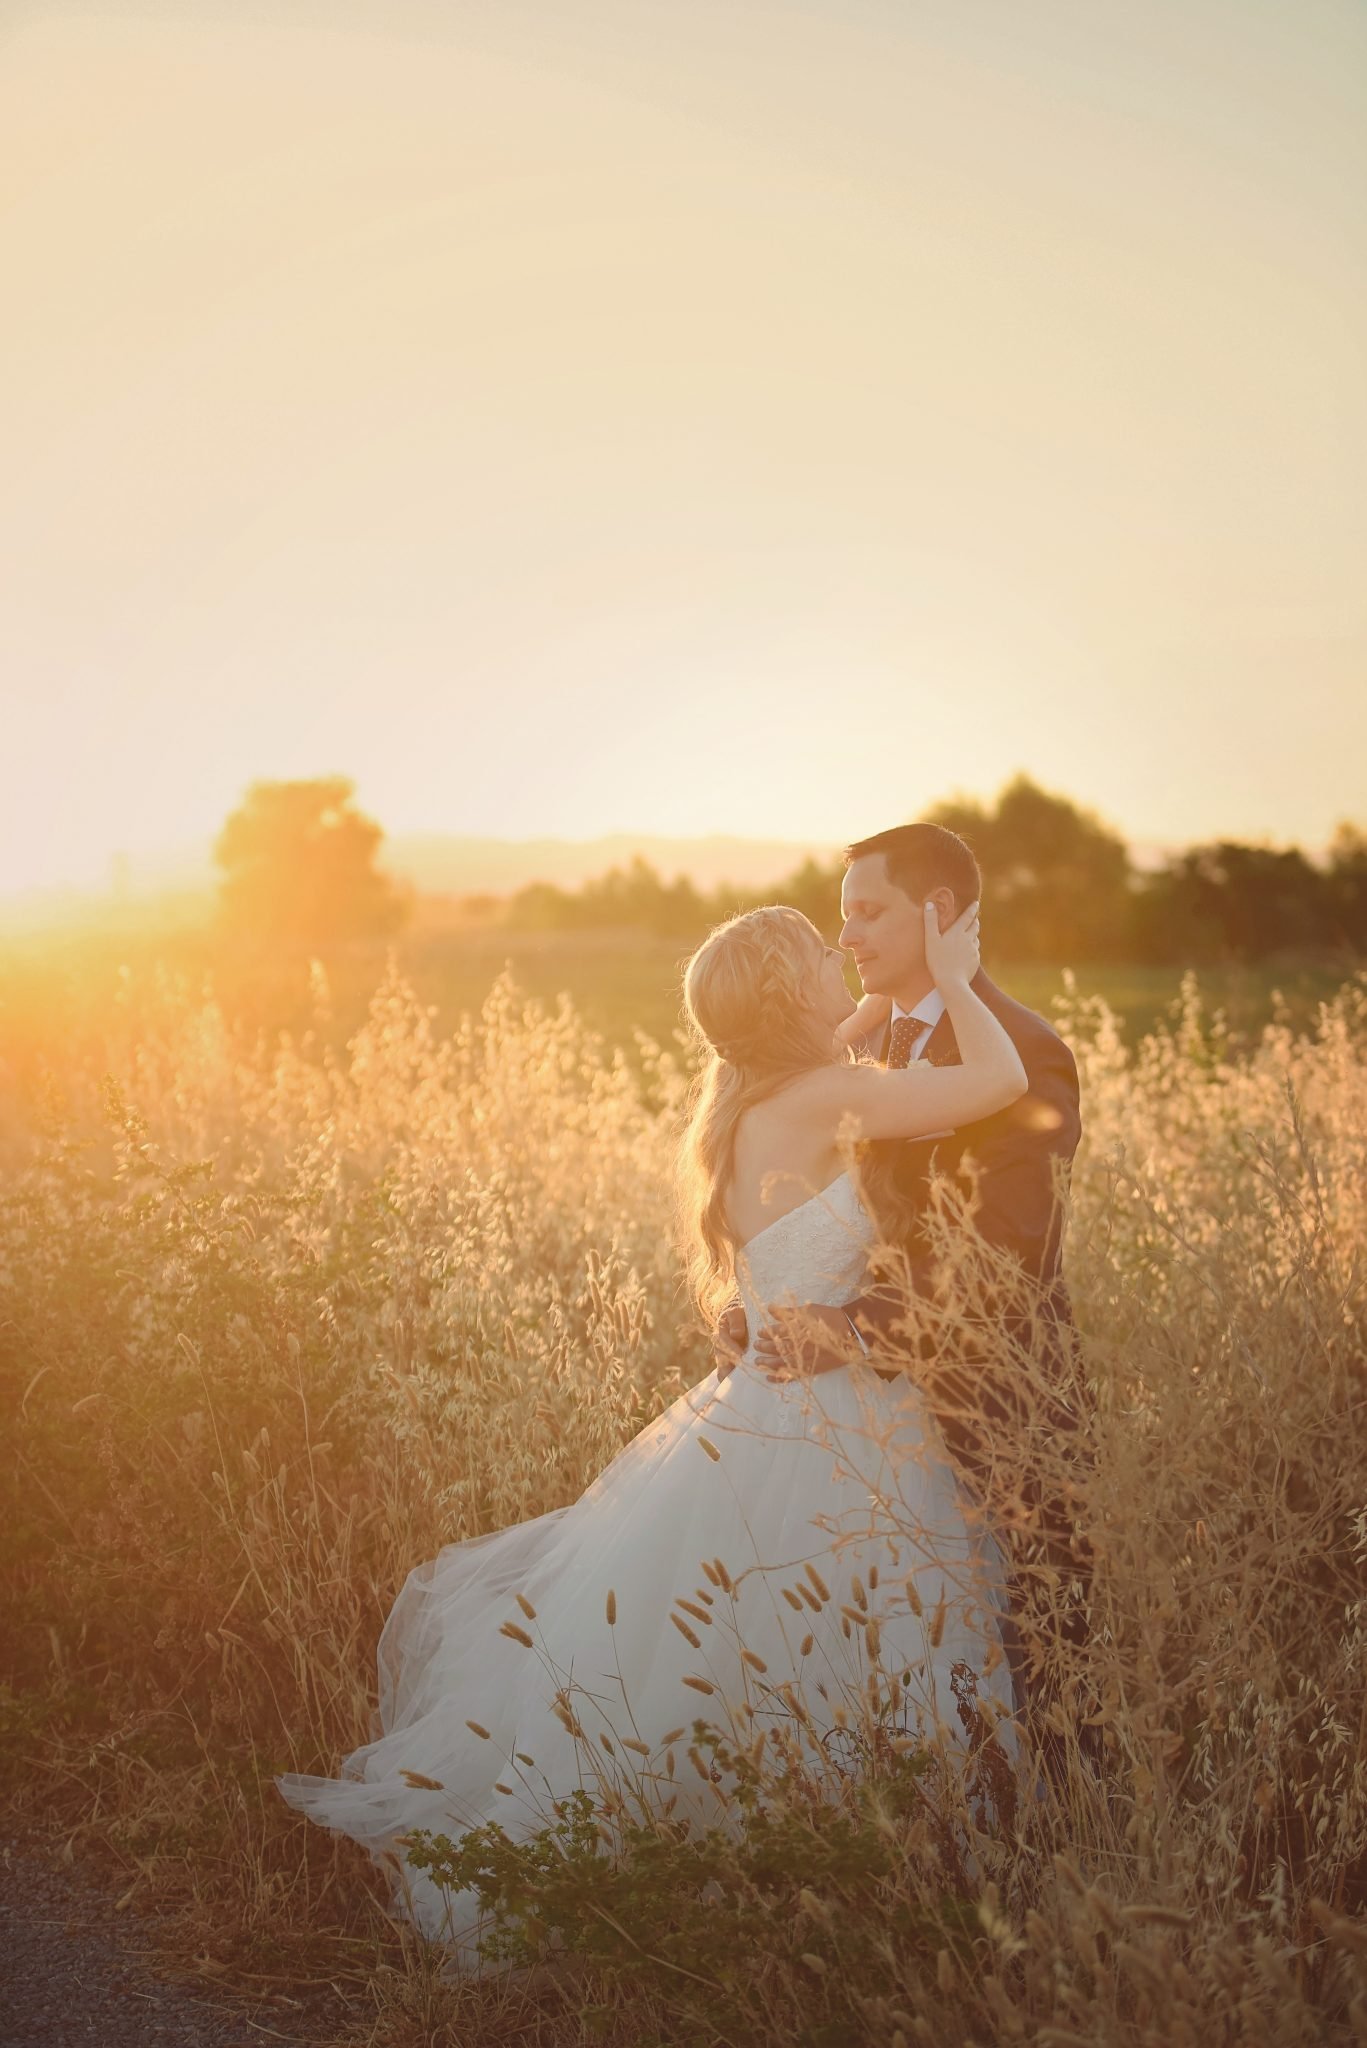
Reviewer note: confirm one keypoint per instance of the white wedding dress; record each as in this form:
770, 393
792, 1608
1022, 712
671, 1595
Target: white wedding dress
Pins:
703, 1530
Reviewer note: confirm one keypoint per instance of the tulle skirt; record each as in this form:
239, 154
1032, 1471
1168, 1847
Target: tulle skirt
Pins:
734, 1547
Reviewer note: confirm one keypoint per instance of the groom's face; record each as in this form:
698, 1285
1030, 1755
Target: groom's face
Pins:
884, 930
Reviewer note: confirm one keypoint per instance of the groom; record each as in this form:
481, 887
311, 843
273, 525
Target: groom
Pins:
1007, 1175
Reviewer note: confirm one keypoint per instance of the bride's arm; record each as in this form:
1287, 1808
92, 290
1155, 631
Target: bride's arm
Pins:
864, 1022
873, 1102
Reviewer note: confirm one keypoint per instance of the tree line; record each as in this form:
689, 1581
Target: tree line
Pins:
1059, 885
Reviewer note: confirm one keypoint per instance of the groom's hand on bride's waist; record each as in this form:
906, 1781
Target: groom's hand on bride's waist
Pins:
729, 1339
797, 1342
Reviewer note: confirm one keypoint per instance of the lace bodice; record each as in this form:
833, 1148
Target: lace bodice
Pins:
816, 1252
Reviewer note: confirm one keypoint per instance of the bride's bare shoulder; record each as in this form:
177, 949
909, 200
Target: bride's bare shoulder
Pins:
785, 1140
792, 1107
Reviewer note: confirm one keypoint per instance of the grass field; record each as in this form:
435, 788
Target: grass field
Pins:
620, 982
276, 1323
620, 979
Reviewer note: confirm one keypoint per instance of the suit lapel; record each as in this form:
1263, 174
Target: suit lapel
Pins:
942, 1047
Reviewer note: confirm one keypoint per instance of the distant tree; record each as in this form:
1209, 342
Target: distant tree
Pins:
634, 897
543, 907
638, 897
1057, 882
814, 890
1348, 887
298, 863
1236, 903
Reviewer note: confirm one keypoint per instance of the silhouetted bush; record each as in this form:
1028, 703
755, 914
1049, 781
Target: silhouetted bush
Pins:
298, 863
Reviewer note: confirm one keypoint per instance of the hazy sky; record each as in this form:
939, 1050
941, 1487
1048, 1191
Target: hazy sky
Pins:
610, 414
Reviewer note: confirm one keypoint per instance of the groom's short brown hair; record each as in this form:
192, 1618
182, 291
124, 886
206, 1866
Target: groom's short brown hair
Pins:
923, 857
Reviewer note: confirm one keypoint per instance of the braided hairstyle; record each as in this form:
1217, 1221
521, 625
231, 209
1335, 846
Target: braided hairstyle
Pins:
748, 1000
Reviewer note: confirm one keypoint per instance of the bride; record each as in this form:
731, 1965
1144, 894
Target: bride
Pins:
763, 1542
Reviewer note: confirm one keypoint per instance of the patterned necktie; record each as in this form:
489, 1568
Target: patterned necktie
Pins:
905, 1032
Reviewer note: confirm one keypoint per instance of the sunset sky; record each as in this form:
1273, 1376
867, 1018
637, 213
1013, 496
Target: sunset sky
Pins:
681, 415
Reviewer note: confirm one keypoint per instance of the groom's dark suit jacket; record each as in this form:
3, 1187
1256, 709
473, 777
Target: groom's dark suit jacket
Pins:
1015, 1167
1022, 1156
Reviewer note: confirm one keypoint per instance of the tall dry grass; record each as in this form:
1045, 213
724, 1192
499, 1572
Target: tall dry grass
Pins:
275, 1324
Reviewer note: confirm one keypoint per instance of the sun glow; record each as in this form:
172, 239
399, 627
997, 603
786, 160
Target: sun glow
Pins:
668, 427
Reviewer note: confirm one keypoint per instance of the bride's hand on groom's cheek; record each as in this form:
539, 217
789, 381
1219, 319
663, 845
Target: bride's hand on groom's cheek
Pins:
797, 1342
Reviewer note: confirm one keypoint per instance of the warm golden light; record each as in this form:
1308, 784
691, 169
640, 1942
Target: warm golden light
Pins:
497, 494
753, 420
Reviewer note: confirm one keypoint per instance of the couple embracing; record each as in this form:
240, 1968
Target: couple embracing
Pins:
822, 1520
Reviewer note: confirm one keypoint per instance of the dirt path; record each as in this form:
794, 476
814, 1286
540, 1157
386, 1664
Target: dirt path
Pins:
74, 1971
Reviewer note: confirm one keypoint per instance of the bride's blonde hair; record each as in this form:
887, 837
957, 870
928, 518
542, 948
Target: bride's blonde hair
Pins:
748, 996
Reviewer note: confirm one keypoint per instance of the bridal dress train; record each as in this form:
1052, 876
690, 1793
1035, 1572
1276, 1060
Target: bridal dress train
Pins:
717, 1530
